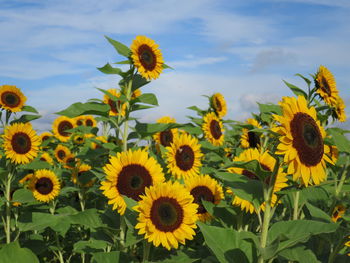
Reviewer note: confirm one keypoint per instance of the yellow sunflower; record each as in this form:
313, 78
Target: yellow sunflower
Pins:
167, 215
81, 169
250, 139
267, 162
45, 157
116, 107
45, 185
203, 187
339, 109
59, 127
326, 86
61, 152
26, 179
129, 173
21, 144
301, 141
166, 137
213, 129
11, 98
101, 139
147, 57
338, 212
219, 104
79, 120
90, 121
136, 93
184, 156
78, 139
45, 136
332, 152
70, 161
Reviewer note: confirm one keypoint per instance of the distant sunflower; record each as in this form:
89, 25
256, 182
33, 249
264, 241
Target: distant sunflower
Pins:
26, 179
100, 139
219, 104
129, 173
45, 157
267, 162
45, 185
147, 57
11, 98
81, 169
116, 107
70, 161
338, 212
21, 144
332, 152
90, 121
45, 136
213, 129
326, 86
136, 93
301, 141
79, 120
167, 215
339, 110
166, 137
61, 152
78, 139
184, 156
250, 139
60, 127
203, 187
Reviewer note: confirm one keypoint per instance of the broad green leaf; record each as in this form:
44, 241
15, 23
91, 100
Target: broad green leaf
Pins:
119, 47
89, 218
253, 166
105, 257
13, 253
35, 165
180, 257
90, 246
108, 69
26, 118
28, 108
198, 110
318, 214
147, 98
297, 91
145, 129
308, 82
87, 108
268, 108
299, 254
23, 196
191, 129
342, 143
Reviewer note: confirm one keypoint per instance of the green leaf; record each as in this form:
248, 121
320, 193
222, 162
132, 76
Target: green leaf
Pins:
89, 218
87, 108
13, 253
26, 118
23, 196
145, 129
90, 246
191, 129
342, 143
308, 82
269, 107
297, 91
147, 98
28, 108
299, 254
318, 214
119, 47
35, 165
165, 66
106, 257
253, 166
180, 257
108, 69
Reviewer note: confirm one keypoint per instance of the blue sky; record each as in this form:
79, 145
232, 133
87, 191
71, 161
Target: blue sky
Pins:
243, 49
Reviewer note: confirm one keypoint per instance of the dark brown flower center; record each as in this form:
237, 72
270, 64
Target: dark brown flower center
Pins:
166, 214
250, 174
21, 143
10, 99
44, 185
217, 104
215, 129
184, 157
166, 138
132, 181
61, 154
200, 193
113, 105
89, 122
79, 122
44, 138
147, 57
70, 162
63, 126
253, 139
325, 86
307, 139
79, 139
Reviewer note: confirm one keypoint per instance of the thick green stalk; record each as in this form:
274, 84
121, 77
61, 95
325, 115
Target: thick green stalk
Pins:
52, 209
342, 178
8, 208
296, 205
126, 124
146, 250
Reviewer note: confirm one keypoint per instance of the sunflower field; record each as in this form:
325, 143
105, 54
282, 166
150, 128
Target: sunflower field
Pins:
102, 186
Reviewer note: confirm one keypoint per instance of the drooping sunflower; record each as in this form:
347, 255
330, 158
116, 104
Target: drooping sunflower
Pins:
61, 152
167, 215
218, 103
301, 141
45, 157
90, 121
326, 86
339, 110
166, 137
11, 98
184, 156
129, 173
250, 139
338, 212
60, 127
45, 185
79, 171
116, 107
203, 187
213, 129
147, 57
21, 144
267, 162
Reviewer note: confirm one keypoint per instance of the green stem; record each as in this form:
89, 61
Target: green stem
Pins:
81, 200
8, 208
52, 209
296, 205
342, 178
146, 250
126, 124
122, 232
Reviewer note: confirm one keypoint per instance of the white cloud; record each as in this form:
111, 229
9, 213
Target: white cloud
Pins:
338, 3
193, 62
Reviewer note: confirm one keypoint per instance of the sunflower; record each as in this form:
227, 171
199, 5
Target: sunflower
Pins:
45, 185
332, 152
45, 136
184, 156
45, 157
166, 137
218, 103
26, 179
61, 152
11, 98
116, 107
203, 187
81, 169
167, 215
21, 144
101, 139
78, 139
70, 161
326, 86
90, 121
250, 139
338, 213
339, 110
301, 142
129, 173
146, 57
136, 93
79, 120
213, 129
267, 162
59, 127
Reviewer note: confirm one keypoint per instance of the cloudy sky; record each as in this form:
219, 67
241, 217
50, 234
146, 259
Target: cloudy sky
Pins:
50, 49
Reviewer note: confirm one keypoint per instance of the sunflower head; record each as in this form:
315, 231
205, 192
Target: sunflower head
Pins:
101, 140
166, 137
45, 185
90, 121
218, 103
78, 139
60, 127
21, 144
250, 139
81, 170
213, 129
136, 93
339, 110
11, 98
70, 161
61, 153
116, 106
338, 212
45, 136
45, 157
26, 179
203, 187
167, 215
79, 120
326, 86
129, 173
147, 57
